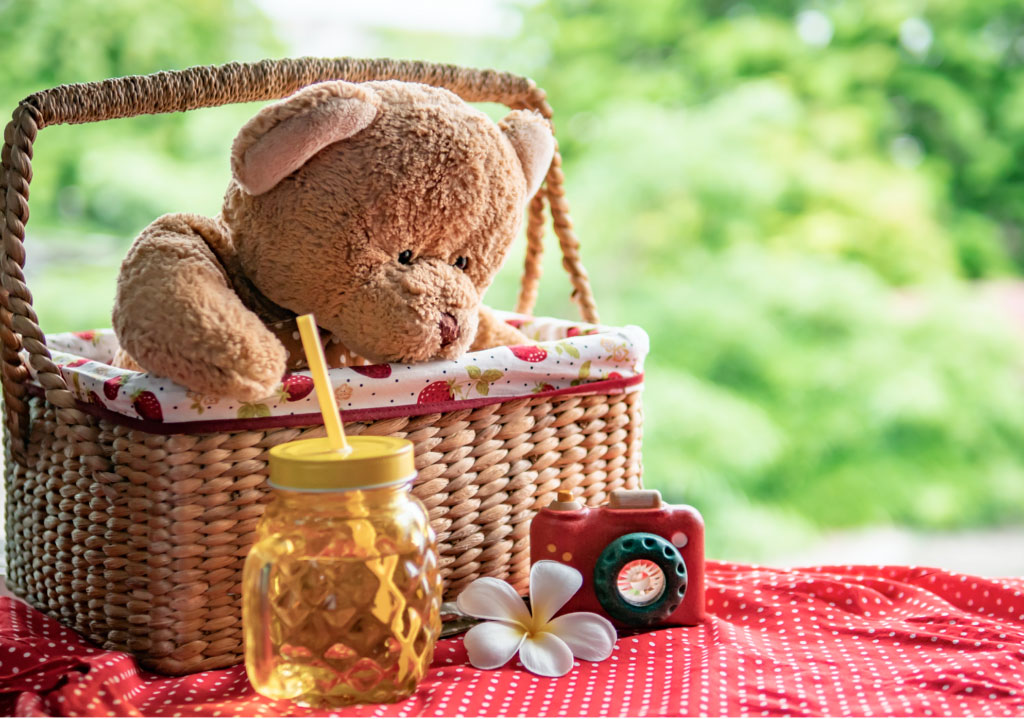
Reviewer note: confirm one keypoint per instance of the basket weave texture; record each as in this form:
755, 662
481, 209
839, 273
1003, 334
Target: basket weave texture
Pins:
137, 539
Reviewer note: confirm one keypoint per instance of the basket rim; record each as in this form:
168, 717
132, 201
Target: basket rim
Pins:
574, 359
624, 385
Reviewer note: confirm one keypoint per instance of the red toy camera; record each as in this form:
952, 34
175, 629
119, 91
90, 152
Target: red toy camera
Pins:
642, 561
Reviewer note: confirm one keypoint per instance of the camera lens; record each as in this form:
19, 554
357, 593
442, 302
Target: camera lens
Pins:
640, 579
641, 582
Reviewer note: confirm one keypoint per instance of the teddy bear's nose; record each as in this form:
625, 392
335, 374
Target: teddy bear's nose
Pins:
449, 329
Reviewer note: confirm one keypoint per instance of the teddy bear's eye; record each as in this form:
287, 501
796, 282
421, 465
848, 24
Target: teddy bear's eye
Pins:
405, 257
462, 263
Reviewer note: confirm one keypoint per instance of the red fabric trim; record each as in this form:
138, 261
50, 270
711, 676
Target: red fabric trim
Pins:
609, 386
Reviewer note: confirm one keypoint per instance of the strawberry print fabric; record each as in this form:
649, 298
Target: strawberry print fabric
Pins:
562, 357
833, 641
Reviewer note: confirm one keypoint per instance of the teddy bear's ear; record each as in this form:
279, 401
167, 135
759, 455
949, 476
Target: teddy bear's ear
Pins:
530, 135
283, 136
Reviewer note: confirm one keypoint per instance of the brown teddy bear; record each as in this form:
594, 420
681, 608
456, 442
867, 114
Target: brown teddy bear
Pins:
384, 208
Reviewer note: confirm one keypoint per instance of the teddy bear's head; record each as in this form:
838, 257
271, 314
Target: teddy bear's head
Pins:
384, 208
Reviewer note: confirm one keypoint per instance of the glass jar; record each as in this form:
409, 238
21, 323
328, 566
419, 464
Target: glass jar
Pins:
341, 590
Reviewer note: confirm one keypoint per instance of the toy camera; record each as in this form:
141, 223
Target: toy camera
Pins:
642, 561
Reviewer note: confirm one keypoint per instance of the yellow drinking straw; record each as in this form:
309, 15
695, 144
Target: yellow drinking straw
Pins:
324, 392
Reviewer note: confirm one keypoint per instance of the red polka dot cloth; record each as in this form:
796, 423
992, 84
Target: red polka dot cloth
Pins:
836, 641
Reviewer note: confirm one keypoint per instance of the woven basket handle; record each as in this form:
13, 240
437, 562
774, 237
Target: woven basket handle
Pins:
209, 87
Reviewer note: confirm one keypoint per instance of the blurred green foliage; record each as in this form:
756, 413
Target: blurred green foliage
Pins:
885, 131
802, 389
796, 200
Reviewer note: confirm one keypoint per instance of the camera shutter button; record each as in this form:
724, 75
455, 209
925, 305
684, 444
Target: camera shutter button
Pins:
565, 502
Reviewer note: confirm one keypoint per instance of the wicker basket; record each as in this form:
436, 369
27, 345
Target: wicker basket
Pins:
137, 539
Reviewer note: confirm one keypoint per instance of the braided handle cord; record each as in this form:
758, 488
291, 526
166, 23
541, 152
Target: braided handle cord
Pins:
20, 326
211, 86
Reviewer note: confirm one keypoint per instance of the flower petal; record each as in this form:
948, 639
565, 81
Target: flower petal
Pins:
552, 584
491, 644
490, 598
546, 654
590, 636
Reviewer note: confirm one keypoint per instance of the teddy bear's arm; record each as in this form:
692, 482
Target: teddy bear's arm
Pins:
492, 332
177, 315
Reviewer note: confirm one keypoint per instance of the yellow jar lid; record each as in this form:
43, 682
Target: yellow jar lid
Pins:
310, 465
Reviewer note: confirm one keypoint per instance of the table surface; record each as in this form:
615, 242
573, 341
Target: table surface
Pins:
840, 641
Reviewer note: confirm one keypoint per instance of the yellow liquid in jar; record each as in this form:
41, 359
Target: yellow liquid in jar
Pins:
342, 598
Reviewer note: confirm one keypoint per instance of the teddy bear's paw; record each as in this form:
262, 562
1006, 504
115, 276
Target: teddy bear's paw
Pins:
249, 369
492, 332
253, 382
247, 389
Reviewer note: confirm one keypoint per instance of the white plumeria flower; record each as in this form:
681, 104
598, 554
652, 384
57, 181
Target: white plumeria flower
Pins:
546, 646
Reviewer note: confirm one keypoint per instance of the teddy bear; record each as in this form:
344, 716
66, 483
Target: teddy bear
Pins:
383, 208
